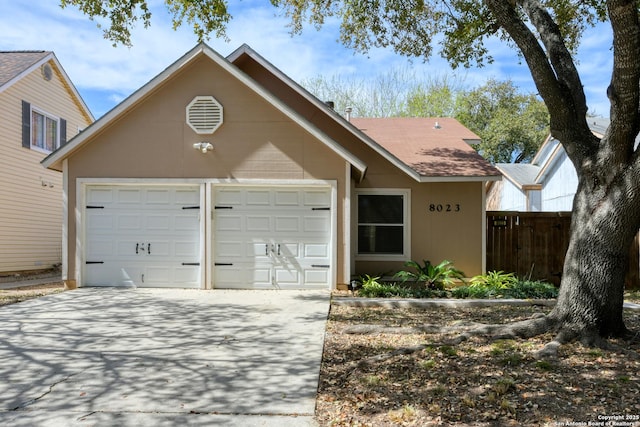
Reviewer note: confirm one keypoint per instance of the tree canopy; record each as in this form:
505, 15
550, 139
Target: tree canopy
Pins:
511, 125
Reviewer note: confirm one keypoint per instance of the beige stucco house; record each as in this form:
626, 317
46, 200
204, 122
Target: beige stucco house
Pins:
40, 110
224, 173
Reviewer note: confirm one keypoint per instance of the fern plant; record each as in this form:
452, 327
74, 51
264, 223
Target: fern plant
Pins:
494, 280
433, 276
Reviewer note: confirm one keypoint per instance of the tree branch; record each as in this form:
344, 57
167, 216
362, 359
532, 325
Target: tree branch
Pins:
624, 90
553, 72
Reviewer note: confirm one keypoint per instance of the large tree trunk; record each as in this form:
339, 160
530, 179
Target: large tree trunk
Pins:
590, 303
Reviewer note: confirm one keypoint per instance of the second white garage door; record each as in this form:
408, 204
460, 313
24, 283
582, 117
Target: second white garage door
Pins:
266, 237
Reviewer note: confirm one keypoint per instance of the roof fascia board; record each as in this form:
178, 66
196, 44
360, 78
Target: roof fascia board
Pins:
553, 158
26, 72
73, 88
166, 74
460, 178
326, 110
539, 152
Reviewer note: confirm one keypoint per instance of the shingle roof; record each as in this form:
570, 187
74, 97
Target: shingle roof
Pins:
430, 150
15, 62
522, 174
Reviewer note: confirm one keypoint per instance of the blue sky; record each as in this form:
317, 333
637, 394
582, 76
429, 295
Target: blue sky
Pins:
104, 75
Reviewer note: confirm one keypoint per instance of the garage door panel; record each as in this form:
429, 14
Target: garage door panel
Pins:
128, 196
156, 222
287, 198
186, 250
290, 249
228, 197
259, 223
316, 250
187, 197
187, 222
286, 277
128, 222
100, 196
239, 274
317, 198
259, 251
100, 222
100, 249
124, 249
258, 197
143, 235
228, 223
286, 224
158, 274
316, 224
316, 277
284, 231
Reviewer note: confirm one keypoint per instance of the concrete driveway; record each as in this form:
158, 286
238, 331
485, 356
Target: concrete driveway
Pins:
148, 357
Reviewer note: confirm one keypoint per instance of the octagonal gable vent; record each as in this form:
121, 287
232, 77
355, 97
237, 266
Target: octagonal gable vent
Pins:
204, 114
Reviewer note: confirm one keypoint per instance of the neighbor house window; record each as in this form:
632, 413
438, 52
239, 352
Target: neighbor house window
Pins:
383, 224
44, 131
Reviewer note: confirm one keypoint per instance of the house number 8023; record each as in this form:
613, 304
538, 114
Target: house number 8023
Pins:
444, 208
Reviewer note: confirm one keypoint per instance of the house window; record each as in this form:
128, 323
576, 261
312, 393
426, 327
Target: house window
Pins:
44, 131
383, 224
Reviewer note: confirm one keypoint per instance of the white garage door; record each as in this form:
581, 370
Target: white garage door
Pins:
272, 237
147, 236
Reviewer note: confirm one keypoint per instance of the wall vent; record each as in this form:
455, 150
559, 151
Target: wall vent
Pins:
204, 114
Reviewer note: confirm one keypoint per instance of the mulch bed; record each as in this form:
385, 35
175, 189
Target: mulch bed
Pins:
476, 383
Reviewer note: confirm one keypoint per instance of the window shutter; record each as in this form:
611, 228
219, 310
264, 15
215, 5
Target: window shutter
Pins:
63, 132
26, 124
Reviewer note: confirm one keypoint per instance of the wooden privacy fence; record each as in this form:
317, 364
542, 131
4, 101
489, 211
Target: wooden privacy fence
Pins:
534, 244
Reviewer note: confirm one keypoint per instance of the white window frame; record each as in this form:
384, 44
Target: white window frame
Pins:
46, 116
406, 250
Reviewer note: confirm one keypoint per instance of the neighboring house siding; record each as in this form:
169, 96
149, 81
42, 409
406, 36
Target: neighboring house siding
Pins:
513, 199
560, 186
31, 196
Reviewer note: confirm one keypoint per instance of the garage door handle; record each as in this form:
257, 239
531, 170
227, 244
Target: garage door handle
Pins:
222, 263
278, 249
149, 248
94, 262
266, 249
190, 263
320, 265
137, 246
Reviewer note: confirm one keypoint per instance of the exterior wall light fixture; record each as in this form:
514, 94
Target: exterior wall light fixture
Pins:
203, 146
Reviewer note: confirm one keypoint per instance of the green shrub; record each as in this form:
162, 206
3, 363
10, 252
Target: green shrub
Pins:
496, 280
523, 289
373, 288
532, 289
470, 292
435, 277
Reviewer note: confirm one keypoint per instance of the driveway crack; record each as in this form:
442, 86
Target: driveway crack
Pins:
51, 387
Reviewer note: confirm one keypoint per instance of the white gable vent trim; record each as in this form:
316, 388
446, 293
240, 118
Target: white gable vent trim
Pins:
204, 114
